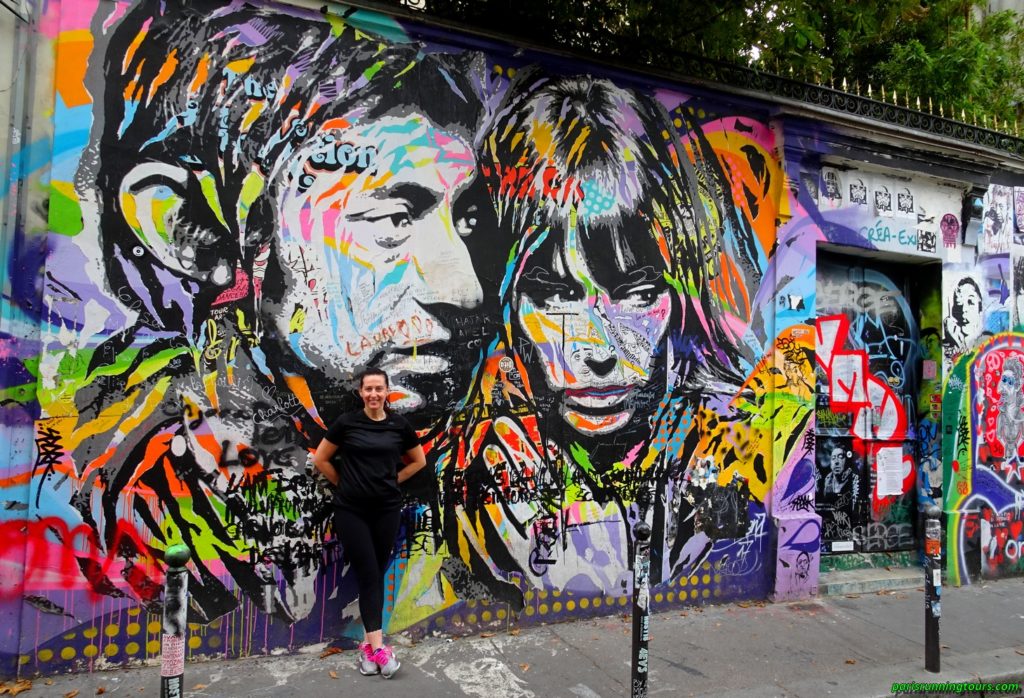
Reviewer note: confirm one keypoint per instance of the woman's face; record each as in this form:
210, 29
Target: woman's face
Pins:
969, 302
595, 316
374, 392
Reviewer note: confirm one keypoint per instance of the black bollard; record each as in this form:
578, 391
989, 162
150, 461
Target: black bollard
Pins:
932, 587
172, 644
641, 595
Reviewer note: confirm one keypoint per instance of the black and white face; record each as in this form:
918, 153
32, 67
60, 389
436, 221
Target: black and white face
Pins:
967, 305
837, 461
372, 251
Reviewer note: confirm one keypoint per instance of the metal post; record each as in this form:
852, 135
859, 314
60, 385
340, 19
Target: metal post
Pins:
641, 594
172, 644
932, 587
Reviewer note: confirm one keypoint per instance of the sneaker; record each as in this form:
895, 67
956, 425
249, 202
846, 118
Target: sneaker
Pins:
386, 660
367, 667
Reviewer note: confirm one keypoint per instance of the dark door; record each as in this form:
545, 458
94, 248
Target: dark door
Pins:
868, 367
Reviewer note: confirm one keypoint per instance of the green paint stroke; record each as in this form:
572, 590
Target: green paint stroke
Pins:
65, 214
209, 188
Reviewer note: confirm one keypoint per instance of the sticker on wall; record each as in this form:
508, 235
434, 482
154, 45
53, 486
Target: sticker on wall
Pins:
883, 200
963, 317
858, 192
905, 202
810, 183
926, 240
950, 228
831, 194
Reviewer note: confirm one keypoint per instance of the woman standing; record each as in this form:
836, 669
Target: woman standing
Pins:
369, 445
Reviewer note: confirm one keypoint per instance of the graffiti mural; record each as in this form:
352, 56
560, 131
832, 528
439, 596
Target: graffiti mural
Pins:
990, 495
584, 284
563, 275
868, 375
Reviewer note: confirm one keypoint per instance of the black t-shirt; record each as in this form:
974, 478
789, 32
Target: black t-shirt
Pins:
368, 458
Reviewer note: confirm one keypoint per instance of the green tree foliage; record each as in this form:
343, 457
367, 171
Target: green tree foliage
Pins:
948, 51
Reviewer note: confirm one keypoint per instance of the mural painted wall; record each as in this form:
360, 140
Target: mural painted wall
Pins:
582, 283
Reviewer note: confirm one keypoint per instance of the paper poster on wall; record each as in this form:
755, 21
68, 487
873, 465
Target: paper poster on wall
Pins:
904, 202
858, 191
1018, 207
928, 369
830, 195
883, 200
997, 221
889, 465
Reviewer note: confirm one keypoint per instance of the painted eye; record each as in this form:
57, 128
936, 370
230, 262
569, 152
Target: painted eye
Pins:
646, 294
400, 219
554, 295
466, 223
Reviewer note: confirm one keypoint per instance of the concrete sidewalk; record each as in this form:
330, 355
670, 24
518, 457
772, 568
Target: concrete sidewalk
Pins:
855, 645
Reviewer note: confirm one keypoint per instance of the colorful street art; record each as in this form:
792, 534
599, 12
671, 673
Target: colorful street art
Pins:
583, 283
987, 462
868, 353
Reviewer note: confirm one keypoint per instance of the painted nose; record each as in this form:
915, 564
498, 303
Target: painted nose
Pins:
600, 367
446, 268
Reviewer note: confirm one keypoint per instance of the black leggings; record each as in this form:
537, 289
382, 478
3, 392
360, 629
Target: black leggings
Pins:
367, 539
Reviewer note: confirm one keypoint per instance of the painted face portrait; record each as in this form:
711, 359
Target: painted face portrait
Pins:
837, 461
373, 221
607, 218
278, 211
967, 306
597, 322
333, 213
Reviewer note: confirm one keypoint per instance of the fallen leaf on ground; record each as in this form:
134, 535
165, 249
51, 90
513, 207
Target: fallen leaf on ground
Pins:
853, 596
684, 613
1019, 651
486, 634
744, 604
329, 651
199, 687
851, 661
333, 674
71, 694
524, 667
16, 688
513, 631
100, 691
48, 682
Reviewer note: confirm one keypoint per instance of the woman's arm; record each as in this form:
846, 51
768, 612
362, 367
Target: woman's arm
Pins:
322, 460
414, 460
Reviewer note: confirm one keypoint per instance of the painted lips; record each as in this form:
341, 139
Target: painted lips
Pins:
403, 361
607, 399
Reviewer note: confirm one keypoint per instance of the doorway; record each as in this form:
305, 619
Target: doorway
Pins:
869, 368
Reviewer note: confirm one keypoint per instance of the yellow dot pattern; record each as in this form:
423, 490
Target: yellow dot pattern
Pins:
135, 634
